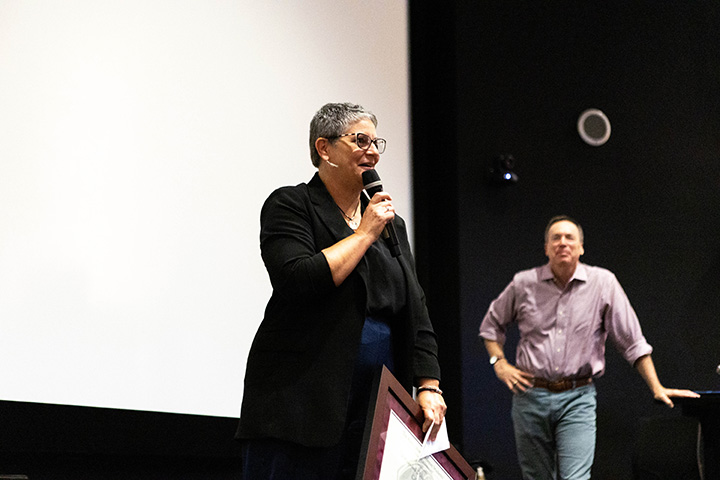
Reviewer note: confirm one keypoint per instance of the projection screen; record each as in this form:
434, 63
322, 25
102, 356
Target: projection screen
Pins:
138, 141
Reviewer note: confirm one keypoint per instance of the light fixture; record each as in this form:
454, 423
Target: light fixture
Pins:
593, 127
502, 170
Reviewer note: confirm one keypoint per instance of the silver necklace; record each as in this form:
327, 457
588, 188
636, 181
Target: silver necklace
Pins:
354, 224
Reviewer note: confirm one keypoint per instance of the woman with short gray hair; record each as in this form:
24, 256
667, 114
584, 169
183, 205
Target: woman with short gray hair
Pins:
343, 305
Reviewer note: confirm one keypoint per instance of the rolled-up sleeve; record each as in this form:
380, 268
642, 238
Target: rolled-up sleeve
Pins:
498, 316
623, 326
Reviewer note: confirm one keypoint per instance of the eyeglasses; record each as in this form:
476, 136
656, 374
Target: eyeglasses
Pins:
364, 141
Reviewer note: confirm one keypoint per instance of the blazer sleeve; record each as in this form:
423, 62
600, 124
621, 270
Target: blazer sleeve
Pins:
297, 268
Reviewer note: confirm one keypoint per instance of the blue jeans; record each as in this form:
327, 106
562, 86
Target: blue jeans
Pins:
555, 433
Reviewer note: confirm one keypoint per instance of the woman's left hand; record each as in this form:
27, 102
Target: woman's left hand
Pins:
434, 408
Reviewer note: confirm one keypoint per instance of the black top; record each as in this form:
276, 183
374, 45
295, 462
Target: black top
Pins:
386, 285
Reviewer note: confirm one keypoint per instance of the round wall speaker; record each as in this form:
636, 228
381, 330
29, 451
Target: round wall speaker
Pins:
593, 127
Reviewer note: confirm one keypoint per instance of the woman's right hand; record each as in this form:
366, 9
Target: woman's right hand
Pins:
344, 256
378, 213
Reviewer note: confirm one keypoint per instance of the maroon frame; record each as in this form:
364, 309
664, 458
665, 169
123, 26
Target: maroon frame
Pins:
391, 396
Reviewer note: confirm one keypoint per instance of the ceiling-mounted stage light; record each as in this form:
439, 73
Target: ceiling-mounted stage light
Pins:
502, 170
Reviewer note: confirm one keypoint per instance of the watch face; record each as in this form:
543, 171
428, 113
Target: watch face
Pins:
493, 360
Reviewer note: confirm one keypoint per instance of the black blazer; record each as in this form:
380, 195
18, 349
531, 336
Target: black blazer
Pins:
300, 365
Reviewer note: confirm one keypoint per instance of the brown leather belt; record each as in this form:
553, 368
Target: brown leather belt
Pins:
562, 385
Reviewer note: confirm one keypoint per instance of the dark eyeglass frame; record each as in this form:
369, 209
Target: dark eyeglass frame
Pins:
380, 143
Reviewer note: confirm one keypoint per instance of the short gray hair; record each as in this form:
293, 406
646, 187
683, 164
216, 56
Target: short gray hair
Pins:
332, 120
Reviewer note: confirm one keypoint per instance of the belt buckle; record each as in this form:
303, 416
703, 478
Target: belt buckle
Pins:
557, 386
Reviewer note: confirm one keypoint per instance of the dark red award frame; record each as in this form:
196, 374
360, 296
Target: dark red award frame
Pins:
392, 397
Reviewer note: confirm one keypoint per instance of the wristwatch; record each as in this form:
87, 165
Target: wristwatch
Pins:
494, 359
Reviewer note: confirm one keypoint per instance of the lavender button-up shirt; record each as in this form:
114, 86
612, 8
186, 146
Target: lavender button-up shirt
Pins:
563, 331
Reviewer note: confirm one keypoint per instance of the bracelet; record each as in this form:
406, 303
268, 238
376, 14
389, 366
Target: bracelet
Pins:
429, 388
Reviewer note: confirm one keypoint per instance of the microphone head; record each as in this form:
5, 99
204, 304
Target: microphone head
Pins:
372, 182
370, 176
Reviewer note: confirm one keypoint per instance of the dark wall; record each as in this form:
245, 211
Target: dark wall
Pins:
58, 442
509, 77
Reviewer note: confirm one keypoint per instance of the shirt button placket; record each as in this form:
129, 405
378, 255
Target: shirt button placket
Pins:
560, 337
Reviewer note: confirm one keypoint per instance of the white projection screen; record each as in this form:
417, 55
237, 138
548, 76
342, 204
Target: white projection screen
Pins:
138, 141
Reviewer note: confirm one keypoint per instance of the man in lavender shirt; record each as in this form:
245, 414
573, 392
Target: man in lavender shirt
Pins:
565, 310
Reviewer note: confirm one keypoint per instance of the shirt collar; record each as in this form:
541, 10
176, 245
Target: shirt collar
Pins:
580, 273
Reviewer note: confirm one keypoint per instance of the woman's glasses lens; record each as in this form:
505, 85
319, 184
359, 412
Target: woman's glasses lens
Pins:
380, 144
364, 141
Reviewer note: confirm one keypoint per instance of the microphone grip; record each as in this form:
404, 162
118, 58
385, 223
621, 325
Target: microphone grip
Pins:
372, 185
391, 239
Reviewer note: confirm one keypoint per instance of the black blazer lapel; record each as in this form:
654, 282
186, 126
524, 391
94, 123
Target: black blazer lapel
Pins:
326, 209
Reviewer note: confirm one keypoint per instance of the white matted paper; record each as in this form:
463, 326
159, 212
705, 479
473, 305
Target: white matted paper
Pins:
400, 458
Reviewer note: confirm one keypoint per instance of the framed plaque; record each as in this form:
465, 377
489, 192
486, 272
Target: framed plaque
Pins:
393, 441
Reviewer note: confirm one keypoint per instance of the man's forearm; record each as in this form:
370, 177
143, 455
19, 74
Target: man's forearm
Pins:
494, 348
646, 369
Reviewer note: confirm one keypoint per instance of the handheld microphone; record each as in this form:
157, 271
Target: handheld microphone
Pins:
372, 183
